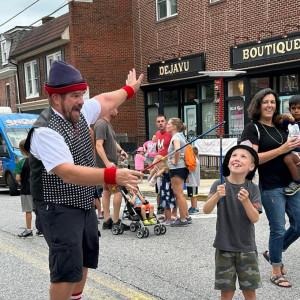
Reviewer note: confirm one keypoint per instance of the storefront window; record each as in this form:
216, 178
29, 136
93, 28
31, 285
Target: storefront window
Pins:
170, 97
208, 117
171, 112
235, 88
207, 91
257, 84
236, 117
152, 98
289, 83
190, 95
152, 114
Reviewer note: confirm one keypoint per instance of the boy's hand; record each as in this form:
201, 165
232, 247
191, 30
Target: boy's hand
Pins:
221, 190
243, 195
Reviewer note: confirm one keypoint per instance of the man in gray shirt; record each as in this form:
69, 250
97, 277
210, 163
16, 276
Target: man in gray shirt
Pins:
107, 150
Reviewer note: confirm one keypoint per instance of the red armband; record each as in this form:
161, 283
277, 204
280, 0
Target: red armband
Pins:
129, 90
110, 175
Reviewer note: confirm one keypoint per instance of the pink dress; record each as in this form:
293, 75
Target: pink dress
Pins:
139, 162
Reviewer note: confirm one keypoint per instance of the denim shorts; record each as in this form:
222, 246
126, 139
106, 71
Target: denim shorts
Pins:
230, 265
182, 173
72, 236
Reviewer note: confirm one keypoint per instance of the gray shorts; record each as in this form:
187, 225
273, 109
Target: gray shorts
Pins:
230, 265
27, 203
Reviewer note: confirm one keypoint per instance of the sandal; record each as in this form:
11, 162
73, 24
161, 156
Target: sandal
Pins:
275, 280
266, 256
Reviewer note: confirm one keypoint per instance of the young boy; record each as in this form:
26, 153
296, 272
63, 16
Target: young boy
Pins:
192, 185
139, 201
239, 205
22, 171
292, 160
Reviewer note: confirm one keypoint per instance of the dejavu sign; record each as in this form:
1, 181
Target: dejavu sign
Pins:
261, 53
176, 68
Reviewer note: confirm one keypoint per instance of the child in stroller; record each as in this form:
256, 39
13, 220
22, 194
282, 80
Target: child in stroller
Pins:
141, 214
139, 201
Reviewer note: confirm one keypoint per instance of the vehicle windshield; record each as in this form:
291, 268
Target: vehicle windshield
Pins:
16, 135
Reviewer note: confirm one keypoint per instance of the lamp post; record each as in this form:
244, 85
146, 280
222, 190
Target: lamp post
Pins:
221, 75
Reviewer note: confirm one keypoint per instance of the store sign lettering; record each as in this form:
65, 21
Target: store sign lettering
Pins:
174, 68
187, 66
281, 47
11, 123
255, 54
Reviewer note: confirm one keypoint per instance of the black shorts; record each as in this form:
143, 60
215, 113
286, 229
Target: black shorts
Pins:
182, 173
192, 191
72, 236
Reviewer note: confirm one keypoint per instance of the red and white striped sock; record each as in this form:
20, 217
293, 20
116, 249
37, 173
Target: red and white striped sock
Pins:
76, 296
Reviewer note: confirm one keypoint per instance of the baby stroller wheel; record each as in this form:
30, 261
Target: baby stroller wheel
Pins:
121, 229
133, 227
157, 229
163, 229
140, 233
146, 232
115, 229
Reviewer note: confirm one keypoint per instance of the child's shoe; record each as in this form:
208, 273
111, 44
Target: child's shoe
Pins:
26, 234
152, 222
193, 211
292, 189
146, 222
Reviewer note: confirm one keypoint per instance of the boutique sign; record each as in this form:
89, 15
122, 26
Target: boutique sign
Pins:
271, 51
187, 66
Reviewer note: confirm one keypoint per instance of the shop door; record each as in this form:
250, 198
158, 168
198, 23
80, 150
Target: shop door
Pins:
284, 104
190, 120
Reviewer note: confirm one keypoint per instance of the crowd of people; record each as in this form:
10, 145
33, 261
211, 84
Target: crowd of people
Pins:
61, 150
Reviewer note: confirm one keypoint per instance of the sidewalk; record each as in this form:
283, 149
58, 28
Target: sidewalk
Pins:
203, 190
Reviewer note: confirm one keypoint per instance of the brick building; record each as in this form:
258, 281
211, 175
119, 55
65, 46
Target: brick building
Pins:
9, 90
174, 40
170, 41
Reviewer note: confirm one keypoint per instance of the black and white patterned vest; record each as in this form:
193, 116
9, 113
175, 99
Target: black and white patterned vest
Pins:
49, 187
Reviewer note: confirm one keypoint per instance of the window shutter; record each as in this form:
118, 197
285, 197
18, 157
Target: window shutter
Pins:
45, 69
39, 77
24, 82
63, 55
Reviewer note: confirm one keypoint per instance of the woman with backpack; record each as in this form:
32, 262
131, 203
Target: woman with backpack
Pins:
178, 170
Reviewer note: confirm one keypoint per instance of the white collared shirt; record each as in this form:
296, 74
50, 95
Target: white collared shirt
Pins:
49, 146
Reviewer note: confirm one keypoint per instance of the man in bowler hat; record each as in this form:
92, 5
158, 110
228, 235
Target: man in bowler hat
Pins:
63, 177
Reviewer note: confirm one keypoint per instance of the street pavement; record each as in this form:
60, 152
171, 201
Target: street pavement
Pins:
176, 266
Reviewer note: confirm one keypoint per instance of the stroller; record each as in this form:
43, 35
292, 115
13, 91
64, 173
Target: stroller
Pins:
134, 215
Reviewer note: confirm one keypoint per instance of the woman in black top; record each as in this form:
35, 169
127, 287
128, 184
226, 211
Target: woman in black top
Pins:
270, 141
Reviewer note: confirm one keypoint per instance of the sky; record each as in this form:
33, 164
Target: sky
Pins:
40, 9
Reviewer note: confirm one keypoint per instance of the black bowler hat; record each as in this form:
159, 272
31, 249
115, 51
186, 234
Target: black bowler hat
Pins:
247, 145
64, 78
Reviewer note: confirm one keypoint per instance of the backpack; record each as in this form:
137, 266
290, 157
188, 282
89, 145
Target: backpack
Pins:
189, 158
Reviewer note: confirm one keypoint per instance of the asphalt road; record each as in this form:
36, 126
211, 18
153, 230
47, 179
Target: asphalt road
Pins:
177, 265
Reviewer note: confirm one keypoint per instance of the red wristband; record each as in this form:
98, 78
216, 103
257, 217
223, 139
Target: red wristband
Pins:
129, 90
110, 175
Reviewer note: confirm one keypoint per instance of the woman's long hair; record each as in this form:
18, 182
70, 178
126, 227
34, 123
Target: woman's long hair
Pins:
254, 109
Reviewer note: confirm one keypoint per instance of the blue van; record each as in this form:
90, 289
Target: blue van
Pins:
14, 127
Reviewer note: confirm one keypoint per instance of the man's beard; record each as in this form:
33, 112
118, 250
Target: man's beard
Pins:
69, 116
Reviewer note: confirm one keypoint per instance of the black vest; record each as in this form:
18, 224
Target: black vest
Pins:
49, 187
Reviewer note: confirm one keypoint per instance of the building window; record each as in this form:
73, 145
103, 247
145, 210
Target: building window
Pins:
4, 52
288, 83
8, 94
236, 117
51, 58
31, 79
166, 8
171, 97
235, 88
257, 84
190, 95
